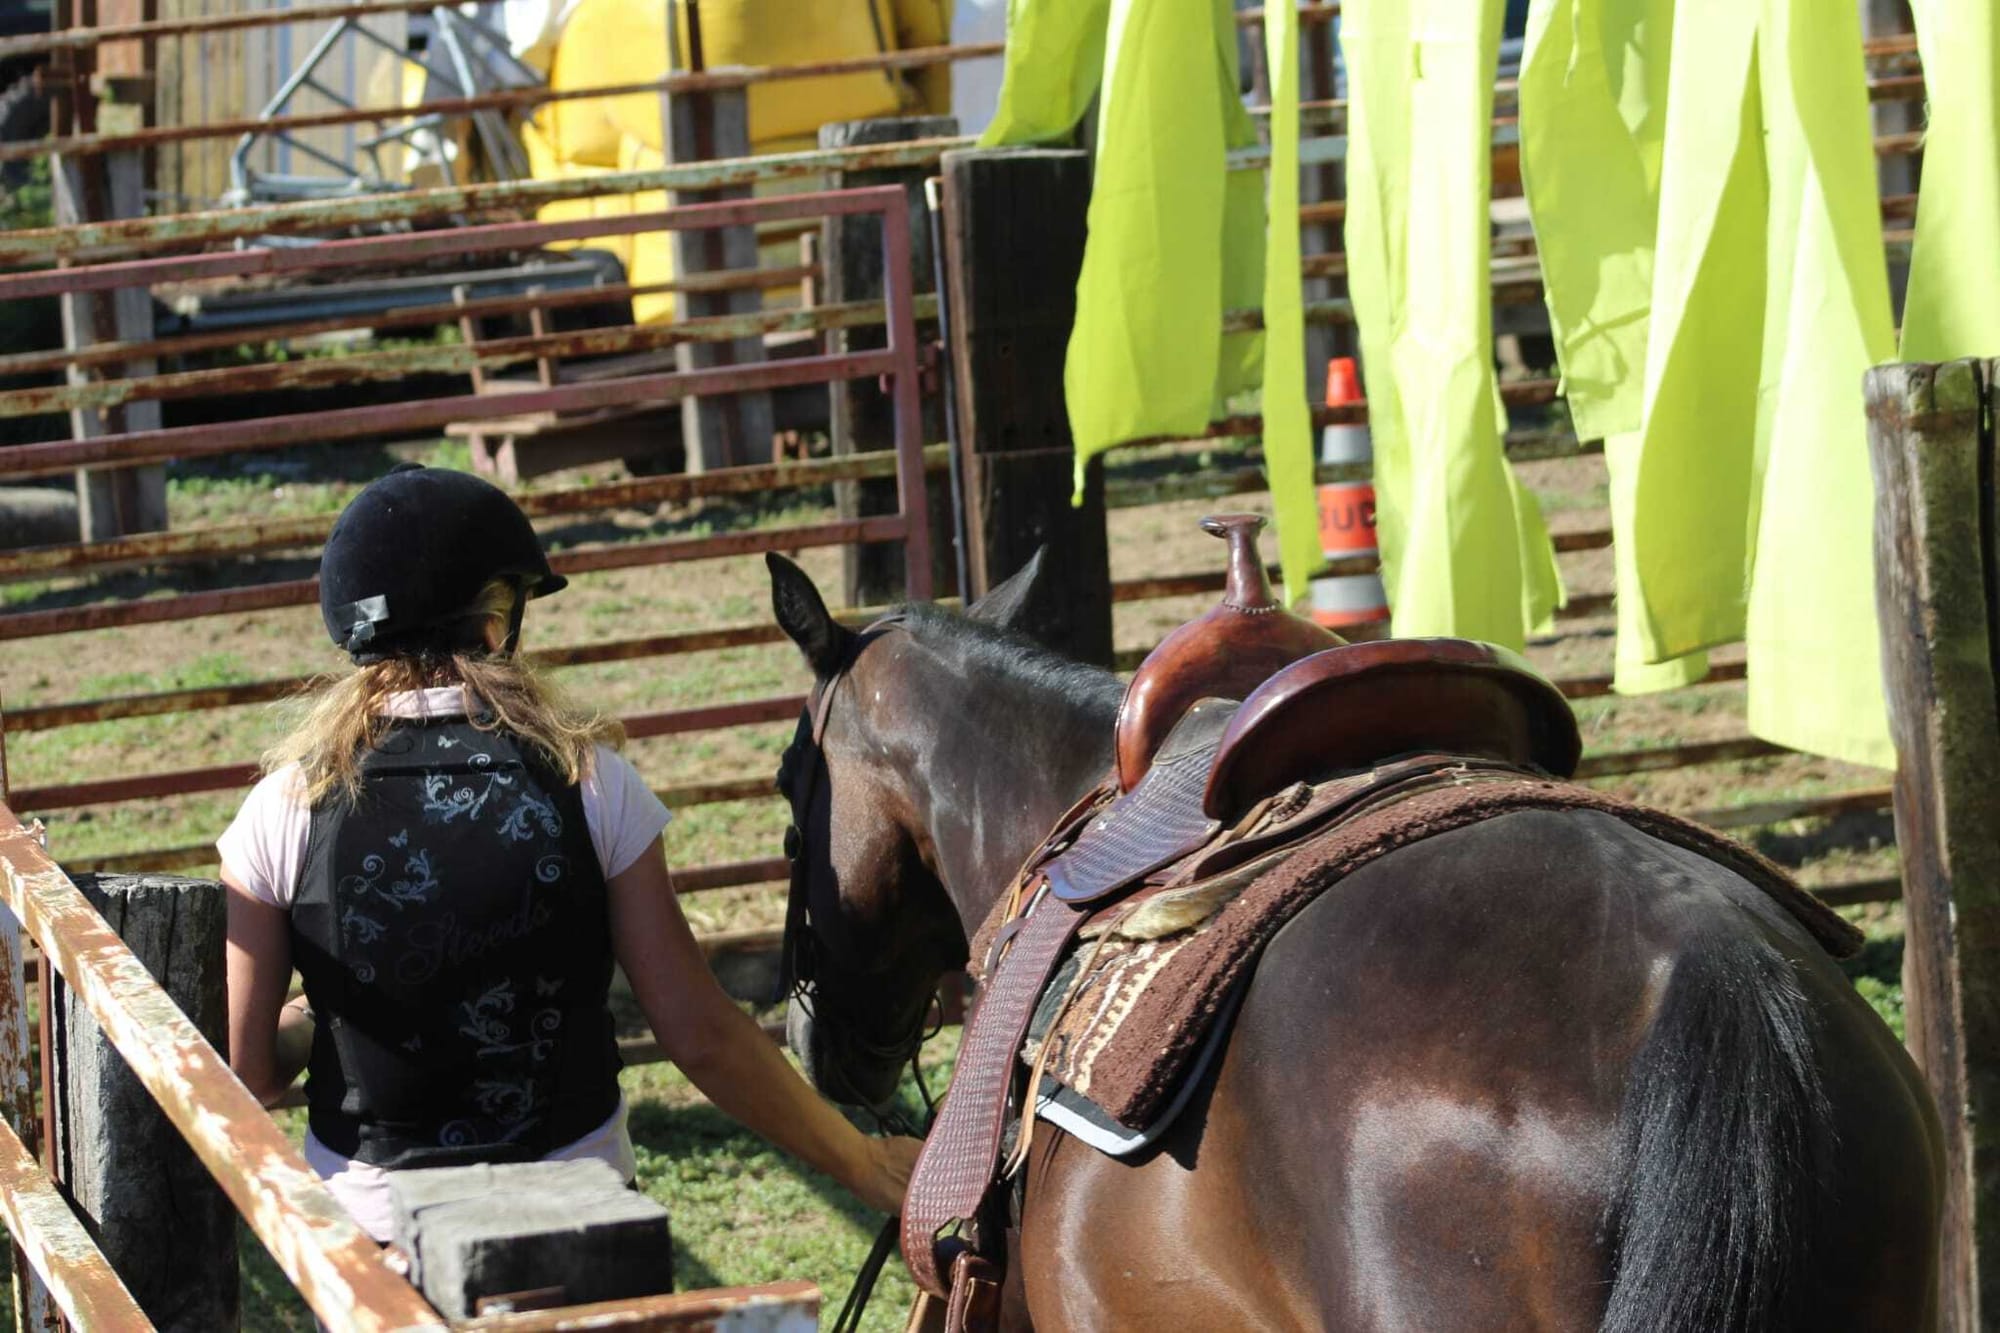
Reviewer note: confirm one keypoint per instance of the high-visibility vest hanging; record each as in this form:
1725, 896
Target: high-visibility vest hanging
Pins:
1742, 502
1593, 92
1463, 547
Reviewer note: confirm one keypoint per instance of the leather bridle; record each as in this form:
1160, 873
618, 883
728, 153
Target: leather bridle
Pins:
801, 961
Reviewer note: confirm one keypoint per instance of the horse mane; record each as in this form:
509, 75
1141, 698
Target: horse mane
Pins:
1016, 656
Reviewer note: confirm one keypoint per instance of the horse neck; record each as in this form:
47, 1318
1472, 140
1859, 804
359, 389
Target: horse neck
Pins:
1011, 754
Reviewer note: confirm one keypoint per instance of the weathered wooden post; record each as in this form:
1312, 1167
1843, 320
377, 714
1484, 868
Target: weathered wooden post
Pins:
1014, 231
102, 188
163, 1222
1937, 574
863, 416
734, 430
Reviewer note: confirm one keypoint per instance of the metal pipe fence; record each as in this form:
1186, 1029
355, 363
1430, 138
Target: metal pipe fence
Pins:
103, 242
907, 463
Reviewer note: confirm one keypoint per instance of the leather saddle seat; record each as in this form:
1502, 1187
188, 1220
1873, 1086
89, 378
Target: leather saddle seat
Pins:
1356, 705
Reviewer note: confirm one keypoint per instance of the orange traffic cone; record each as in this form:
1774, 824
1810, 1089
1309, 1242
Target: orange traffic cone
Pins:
1347, 515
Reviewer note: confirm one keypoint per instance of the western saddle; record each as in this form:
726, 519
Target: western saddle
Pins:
1204, 782
1313, 704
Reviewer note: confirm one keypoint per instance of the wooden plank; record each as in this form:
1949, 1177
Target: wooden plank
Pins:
735, 429
1014, 232
863, 416
1932, 455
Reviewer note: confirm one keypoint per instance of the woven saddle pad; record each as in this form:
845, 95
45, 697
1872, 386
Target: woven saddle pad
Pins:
1135, 1003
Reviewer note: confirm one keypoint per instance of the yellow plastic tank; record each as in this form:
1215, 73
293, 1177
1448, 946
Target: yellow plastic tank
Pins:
625, 41
605, 42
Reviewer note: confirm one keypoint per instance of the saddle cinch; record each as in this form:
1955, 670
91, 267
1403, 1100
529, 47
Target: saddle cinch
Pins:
1259, 762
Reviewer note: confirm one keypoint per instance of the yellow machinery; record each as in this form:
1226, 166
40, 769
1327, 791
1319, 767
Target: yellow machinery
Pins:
606, 42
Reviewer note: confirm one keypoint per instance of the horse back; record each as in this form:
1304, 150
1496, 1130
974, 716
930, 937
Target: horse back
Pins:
1470, 1086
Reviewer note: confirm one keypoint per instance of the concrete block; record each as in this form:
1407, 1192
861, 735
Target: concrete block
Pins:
477, 1231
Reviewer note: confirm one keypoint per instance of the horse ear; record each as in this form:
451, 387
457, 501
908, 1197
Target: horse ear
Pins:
802, 614
1007, 605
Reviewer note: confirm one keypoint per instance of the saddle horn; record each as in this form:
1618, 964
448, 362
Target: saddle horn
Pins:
1226, 652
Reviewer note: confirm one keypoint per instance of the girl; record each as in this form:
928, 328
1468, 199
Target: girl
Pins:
451, 860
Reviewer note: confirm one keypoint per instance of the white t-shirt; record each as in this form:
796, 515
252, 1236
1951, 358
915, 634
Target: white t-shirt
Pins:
265, 847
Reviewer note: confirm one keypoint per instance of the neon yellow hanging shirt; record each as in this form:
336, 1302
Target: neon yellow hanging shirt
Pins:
1952, 309
1592, 114
1464, 550
1814, 658
1743, 503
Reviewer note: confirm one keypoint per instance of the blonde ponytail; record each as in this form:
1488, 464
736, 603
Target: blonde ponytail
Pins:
343, 719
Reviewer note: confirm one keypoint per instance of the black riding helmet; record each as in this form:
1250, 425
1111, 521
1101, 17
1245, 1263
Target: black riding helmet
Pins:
408, 557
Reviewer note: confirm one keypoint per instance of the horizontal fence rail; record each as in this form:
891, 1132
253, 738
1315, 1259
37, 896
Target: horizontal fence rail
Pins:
84, 37
1318, 117
329, 1259
99, 355
460, 358
133, 238
261, 537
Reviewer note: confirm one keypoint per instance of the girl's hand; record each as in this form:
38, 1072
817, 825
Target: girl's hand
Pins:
886, 1174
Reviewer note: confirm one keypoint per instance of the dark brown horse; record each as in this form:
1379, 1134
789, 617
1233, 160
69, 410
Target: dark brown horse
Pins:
1541, 1072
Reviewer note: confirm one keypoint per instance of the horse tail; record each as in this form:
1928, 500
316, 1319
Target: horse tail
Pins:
1723, 1122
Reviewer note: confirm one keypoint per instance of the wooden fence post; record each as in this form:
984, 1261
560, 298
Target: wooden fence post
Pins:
734, 430
863, 416
118, 88
1014, 231
1936, 584
164, 1223
110, 503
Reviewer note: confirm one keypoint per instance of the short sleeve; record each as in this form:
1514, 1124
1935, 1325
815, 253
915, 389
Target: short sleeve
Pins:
264, 847
623, 813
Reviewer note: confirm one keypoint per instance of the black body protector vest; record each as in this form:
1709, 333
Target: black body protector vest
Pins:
452, 930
